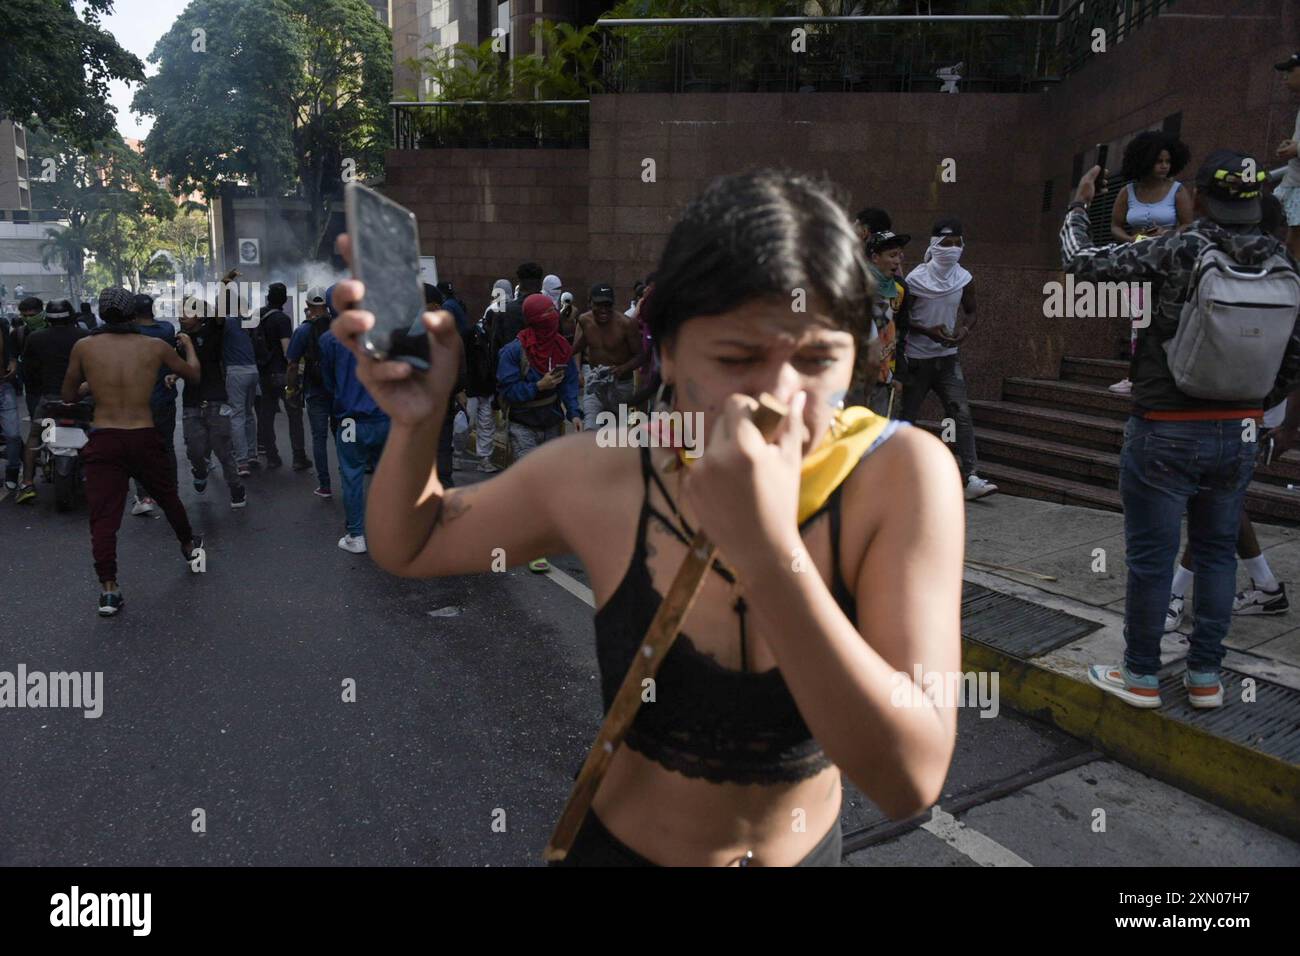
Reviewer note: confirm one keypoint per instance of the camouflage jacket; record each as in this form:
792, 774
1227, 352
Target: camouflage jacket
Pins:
1167, 264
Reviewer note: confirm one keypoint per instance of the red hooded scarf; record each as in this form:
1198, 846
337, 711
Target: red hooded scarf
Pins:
545, 347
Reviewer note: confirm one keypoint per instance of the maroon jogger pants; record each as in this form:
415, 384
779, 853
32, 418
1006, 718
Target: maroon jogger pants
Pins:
112, 457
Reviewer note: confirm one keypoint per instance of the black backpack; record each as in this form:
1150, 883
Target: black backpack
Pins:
312, 353
480, 359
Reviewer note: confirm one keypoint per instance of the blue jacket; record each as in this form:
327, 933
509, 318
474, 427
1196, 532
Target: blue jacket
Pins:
339, 372
518, 387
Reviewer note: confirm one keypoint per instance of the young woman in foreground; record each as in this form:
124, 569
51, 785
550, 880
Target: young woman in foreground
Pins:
797, 659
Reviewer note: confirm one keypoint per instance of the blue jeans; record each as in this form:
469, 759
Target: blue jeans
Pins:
1168, 469
318, 416
241, 387
10, 426
368, 436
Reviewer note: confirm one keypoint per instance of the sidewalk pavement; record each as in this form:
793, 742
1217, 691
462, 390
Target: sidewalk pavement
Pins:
1242, 756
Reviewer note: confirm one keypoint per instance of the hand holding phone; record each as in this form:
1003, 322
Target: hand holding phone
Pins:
385, 249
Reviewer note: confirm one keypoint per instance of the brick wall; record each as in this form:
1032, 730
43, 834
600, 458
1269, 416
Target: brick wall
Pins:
589, 216
483, 212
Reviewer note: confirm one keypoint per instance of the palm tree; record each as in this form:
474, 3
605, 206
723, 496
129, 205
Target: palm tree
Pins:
66, 247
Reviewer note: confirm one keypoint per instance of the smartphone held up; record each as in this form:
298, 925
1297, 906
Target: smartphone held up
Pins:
386, 258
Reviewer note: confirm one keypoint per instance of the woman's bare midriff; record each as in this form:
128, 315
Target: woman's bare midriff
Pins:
674, 820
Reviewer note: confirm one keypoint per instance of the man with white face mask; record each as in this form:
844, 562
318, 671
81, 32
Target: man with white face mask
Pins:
942, 315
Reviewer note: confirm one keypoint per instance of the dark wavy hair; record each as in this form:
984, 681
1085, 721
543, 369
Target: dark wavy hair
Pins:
1141, 154
760, 235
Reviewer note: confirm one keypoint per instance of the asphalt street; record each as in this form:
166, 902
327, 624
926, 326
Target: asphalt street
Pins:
224, 693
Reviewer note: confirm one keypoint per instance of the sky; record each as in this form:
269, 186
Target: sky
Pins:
138, 25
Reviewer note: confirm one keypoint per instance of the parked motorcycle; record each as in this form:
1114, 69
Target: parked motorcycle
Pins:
64, 432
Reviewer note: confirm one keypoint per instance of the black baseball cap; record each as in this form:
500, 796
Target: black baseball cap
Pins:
1230, 194
1290, 63
602, 292
951, 226
142, 306
880, 241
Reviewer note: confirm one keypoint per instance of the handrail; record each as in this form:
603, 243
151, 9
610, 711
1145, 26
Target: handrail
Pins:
873, 18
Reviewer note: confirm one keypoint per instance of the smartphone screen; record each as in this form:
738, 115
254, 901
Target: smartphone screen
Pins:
386, 257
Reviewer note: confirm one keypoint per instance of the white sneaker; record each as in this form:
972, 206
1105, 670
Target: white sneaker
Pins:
356, 543
977, 487
487, 466
142, 506
1122, 387
1174, 616
1256, 600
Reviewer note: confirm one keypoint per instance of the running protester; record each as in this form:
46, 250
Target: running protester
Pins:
1288, 191
361, 428
304, 349
274, 330
608, 348
206, 413
46, 354
762, 702
1183, 455
941, 293
163, 400
121, 367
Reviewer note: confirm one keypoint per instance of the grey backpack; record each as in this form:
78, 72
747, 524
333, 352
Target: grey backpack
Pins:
1234, 327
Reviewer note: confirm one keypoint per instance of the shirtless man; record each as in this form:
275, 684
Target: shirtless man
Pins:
121, 369
608, 349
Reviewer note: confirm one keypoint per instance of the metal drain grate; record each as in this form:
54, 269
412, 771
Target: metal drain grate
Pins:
1018, 627
1270, 723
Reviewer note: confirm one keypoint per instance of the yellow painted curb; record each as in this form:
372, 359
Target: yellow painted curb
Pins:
1256, 785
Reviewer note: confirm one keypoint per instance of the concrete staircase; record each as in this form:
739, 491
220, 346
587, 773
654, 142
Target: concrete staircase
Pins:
1059, 440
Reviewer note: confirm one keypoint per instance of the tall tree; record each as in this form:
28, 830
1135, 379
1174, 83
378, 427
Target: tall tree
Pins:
288, 97
56, 65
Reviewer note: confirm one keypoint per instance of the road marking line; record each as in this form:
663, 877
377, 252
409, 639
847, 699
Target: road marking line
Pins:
572, 585
982, 849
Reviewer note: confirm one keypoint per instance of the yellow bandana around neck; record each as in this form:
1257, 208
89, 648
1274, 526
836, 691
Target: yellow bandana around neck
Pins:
827, 465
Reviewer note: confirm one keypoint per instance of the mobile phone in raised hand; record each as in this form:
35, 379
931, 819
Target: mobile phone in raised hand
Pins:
386, 258
1102, 151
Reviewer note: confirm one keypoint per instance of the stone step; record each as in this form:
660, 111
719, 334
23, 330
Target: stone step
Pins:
1093, 370
1093, 432
1054, 471
1067, 396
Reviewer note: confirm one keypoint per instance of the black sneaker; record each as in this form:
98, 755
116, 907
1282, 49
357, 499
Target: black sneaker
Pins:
110, 602
302, 464
239, 497
1257, 601
187, 550
274, 463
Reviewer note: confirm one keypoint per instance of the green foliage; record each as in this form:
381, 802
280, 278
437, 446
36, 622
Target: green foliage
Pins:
56, 65
280, 94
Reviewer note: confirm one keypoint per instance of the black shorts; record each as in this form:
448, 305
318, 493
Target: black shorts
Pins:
596, 846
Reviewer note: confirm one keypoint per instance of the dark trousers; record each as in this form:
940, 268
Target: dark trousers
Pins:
446, 449
164, 419
943, 376
111, 458
208, 431
267, 408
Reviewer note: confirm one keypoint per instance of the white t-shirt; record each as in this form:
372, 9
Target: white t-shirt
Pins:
930, 313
